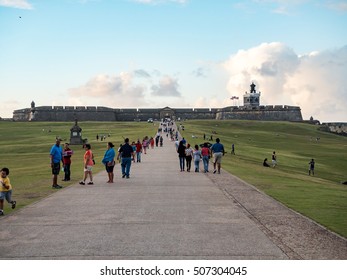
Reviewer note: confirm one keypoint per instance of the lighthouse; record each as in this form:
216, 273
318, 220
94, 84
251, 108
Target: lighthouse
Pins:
251, 99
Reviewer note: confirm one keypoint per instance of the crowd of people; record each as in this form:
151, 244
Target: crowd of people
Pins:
130, 153
187, 154
125, 155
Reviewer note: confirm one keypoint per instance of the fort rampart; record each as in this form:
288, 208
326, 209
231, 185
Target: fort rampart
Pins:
90, 113
264, 113
337, 128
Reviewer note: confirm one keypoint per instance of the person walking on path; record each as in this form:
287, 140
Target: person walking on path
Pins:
119, 157
197, 157
5, 190
181, 150
274, 159
108, 161
138, 151
127, 153
189, 157
88, 165
56, 155
133, 145
151, 141
145, 144
217, 150
311, 167
206, 154
67, 153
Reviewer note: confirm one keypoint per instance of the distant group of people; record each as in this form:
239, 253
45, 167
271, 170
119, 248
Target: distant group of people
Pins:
187, 154
274, 163
126, 155
273, 159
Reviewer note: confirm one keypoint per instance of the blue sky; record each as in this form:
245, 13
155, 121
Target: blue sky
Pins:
177, 53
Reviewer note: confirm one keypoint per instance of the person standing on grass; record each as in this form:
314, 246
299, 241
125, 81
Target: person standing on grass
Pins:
217, 150
127, 153
88, 165
311, 167
56, 156
233, 149
109, 162
5, 190
274, 159
189, 157
67, 153
197, 158
205, 152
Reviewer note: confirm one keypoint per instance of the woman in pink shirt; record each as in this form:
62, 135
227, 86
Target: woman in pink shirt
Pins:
88, 165
206, 154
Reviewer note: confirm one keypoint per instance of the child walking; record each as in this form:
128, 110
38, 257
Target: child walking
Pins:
197, 157
5, 190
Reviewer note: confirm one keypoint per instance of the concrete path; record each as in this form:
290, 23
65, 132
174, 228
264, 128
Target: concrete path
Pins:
162, 213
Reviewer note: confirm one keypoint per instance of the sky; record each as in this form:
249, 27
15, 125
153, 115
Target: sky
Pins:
175, 53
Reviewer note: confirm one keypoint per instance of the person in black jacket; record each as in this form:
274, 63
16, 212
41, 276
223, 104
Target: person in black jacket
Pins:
126, 153
181, 150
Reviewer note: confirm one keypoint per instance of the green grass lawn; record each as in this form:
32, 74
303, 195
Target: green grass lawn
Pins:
321, 197
24, 149
25, 146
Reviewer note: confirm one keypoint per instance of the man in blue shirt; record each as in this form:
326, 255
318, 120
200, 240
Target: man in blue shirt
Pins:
217, 150
56, 155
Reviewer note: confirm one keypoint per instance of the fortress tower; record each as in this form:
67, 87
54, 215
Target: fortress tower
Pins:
251, 99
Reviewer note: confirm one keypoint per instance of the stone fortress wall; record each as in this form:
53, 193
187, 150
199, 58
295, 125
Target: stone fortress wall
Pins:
337, 128
68, 113
262, 113
251, 110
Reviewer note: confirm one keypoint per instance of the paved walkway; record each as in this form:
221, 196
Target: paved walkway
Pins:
161, 213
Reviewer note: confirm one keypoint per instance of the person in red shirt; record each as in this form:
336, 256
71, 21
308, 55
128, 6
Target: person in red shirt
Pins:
138, 151
152, 142
206, 154
67, 153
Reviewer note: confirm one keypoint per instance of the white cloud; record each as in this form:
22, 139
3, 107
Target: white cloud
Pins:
136, 89
19, 4
315, 82
338, 5
167, 87
112, 91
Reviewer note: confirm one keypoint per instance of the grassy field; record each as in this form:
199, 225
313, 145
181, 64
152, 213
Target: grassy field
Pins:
321, 197
25, 146
24, 149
